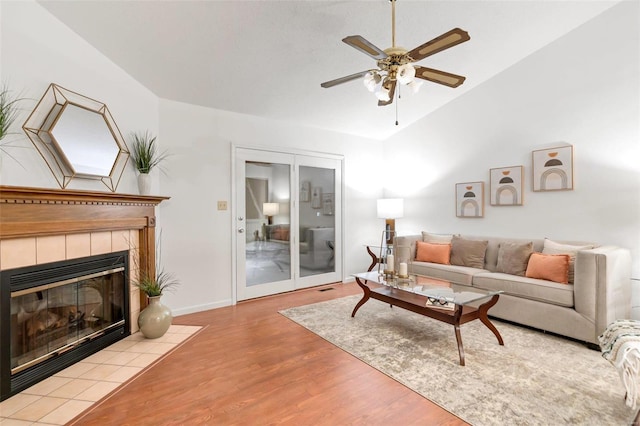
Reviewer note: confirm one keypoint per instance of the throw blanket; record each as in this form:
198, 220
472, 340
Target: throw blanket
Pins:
620, 345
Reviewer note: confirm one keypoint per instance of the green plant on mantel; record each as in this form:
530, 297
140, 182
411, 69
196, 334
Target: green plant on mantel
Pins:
8, 114
144, 152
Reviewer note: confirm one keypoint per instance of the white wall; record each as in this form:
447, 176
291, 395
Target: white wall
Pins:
583, 89
197, 237
36, 50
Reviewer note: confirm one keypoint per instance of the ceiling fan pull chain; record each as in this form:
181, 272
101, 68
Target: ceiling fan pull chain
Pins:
397, 106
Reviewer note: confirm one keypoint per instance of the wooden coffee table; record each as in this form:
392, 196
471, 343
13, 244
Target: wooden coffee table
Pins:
423, 295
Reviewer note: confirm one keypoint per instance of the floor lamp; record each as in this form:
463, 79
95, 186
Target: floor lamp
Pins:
390, 209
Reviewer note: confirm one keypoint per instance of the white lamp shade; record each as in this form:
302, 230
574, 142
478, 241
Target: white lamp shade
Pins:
270, 209
390, 208
371, 80
406, 73
415, 85
382, 94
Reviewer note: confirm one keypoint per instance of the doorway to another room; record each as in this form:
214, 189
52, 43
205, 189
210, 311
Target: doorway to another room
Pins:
288, 221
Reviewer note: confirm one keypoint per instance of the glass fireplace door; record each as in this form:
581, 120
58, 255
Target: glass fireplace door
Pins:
51, 319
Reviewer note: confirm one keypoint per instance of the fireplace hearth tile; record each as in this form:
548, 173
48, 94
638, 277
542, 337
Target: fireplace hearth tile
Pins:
78, 245
100, 372
98, 391
66, 412
47, 386
123, 374
76, 370
73, 388
16, 403
144, 360
122, 358
35, 412
122, 345
101, 357
152, 347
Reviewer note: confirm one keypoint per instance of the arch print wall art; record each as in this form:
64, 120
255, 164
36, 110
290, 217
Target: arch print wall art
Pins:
506, 186
470, 199
553, 169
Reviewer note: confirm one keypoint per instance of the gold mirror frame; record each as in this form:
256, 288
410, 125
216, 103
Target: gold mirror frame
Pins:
57, 124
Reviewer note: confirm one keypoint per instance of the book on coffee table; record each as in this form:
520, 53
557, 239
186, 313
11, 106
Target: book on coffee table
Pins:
440, 303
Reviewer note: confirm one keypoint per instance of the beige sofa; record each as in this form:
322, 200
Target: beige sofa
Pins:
599, 294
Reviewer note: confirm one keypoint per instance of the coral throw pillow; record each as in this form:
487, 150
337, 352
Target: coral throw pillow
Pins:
434, 253
551, 267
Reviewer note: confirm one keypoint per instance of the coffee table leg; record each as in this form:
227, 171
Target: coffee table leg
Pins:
374, 259
365, 297
456, 326
483, 316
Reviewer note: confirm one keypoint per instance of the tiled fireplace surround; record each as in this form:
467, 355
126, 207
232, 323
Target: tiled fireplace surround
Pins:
45, 225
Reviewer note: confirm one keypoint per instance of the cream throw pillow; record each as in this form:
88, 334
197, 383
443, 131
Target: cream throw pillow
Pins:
436, 238
551, 247
513, 257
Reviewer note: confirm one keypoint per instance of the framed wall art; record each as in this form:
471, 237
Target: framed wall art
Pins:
305, 191
316, 197
553, 169
506, 185
327, 204
470, 199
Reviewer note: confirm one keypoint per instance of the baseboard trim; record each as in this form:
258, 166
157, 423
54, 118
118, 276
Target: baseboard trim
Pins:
200, 308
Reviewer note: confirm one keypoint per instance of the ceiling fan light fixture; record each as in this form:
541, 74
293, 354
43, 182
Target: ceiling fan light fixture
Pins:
415, 85
382, 94
371, 80
406, 74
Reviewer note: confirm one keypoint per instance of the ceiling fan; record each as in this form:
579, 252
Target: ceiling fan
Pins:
395, 63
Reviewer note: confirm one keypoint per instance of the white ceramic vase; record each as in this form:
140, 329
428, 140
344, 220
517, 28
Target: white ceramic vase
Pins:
155, 319
144, 183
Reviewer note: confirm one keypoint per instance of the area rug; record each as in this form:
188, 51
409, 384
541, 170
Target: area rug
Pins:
534, 379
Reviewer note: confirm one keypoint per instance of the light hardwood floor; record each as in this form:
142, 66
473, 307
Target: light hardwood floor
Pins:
252, 366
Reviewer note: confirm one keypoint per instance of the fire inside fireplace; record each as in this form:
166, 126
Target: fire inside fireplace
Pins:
53, 315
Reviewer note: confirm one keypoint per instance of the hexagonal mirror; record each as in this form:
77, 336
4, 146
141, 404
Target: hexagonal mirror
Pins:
77, 137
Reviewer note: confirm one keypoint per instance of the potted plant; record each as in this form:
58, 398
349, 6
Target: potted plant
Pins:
145, 157
8, 113
155, 319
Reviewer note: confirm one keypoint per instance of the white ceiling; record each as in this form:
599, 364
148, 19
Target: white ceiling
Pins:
267, 58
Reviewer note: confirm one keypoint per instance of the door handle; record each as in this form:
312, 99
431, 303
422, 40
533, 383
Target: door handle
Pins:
240, 230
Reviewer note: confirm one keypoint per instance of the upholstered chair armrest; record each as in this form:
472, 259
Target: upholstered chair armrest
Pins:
407, 241
602, 285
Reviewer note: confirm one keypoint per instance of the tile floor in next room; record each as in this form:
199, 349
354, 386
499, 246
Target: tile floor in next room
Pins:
63, 396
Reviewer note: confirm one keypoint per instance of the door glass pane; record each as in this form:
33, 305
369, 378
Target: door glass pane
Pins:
267, 201
317, 220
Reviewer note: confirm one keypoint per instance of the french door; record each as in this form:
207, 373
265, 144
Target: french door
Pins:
288, 221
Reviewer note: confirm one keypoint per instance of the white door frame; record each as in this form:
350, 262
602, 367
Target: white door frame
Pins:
234, 211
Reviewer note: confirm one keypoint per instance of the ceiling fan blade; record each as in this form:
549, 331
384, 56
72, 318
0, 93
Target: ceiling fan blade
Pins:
365, 46
392, 92
344, 79
438, 44
440, 77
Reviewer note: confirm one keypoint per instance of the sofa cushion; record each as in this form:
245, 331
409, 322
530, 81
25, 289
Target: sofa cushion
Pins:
552, 247
552, 267
457, 274
528, 288
468, 252
513, 257
436, 253
436, 238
